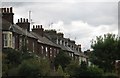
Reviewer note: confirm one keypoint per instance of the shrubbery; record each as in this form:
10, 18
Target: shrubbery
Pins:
28, 65
17, 64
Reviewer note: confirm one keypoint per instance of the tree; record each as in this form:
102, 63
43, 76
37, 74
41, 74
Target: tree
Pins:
105, 51
62, 59
89, 72
95, 72
11, 56
10, 59
60, 71
16, 63
34, 68
72, 68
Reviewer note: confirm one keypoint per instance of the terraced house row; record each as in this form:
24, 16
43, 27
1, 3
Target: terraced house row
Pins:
45, 43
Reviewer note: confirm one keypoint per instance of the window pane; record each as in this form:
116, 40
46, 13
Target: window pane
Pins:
5, 42
5, 36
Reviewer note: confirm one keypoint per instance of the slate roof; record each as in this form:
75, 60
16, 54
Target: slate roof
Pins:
44, 40
66, 48
31, 34
7, 26
15, 28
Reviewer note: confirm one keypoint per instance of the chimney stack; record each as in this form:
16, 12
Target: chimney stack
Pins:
79, 48
7, 16
38, 30
60, 35
23, 23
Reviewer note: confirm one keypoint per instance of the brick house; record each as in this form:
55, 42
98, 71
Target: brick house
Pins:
69, 46
46, 44
15, 34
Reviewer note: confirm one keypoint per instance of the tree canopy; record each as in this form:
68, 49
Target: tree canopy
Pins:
106, 50
62, 59
23, 64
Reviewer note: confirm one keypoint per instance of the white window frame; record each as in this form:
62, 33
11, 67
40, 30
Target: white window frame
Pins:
42, 48
46, 49
8, 39
50, 51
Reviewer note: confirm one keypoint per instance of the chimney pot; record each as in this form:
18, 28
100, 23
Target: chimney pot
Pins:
33, 26
24, 19
36, 26
1, 10
10, 9
4, 10
21, 20
7, 10
41, 26
18, 21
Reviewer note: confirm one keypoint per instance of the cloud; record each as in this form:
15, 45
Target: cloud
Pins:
83, 32
81, 21
94, 13
60, 1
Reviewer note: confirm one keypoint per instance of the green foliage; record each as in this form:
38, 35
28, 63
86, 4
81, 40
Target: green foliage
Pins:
110, 75
26, 64
105, 51
62, 59
34, 68
11, 56
13, 71
71, 68
90, 72
95, 71
29, 68
10, 59
60, 71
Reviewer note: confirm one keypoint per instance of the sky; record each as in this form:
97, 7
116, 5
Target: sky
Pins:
79, 20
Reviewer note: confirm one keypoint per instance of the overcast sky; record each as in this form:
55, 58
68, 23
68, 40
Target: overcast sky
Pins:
79, 20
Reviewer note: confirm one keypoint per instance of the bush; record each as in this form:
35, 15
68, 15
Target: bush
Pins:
62, 59
110, 75
34, 68
60, 71
95, 72
90, 72
71, 68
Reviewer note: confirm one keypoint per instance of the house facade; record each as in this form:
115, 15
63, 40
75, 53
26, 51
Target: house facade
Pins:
45, 43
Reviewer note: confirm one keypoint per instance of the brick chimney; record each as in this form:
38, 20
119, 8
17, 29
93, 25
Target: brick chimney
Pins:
38, 30
23, 23
60, 35
7, 16
79, 48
